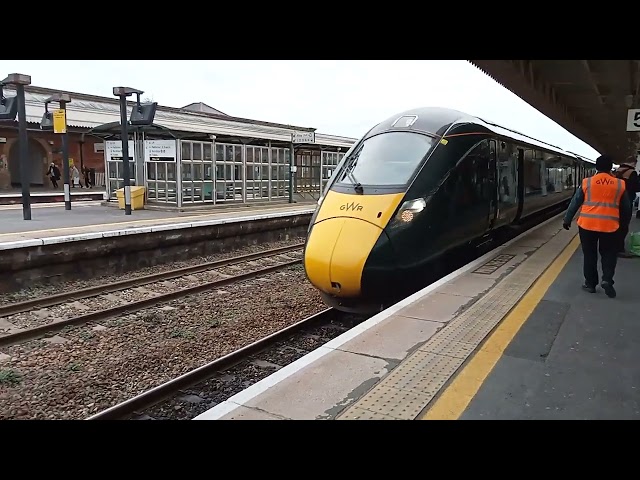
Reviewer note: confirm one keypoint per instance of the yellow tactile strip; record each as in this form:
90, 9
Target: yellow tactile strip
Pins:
411, 386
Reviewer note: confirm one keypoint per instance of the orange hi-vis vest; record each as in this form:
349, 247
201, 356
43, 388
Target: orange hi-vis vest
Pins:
600, 210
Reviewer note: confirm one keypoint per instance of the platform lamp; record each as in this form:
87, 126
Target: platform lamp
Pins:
141, 114
57, 123
10, 107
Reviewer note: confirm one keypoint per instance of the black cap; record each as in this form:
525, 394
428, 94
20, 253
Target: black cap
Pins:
604, 163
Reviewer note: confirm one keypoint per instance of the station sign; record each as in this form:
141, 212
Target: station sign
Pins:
160, 151
59, 121
303, 137
113, 150
633, 120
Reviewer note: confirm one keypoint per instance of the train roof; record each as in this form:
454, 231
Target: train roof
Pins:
438, 120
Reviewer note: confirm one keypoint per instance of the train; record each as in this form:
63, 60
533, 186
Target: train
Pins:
419, 185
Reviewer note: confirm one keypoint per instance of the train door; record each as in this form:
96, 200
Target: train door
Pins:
492, 185
520, 183
476, 197
507, 183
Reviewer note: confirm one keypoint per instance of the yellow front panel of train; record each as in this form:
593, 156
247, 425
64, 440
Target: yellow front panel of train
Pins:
319, 250
352, 249
346, 229
376, 209
336, 252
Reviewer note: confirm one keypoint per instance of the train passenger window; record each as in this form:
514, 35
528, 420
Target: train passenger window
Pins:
386, 159
508, 173
559, 173
472, 184
533, 173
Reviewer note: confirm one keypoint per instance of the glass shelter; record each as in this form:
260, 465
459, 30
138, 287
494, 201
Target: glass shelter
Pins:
192, 172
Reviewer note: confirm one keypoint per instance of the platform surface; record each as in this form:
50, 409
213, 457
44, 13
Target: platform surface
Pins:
576, 357
52, 220
428, 356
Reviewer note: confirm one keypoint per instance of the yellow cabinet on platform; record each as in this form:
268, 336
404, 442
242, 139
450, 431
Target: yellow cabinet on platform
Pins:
137, 198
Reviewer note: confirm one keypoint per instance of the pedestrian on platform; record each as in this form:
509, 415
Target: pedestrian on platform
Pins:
603, 207
75, 175
54, 174
87, 177
627, 172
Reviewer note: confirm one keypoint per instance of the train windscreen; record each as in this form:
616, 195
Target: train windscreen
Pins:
385, 159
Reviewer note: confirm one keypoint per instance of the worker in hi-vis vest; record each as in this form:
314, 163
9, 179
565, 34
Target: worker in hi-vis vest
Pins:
604, 206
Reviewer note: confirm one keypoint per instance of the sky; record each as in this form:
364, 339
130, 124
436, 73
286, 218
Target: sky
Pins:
338, 97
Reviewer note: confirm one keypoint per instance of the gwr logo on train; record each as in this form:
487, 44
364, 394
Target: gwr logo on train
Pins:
351, 206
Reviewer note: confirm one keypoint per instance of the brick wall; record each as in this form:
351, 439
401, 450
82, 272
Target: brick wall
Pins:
44, 147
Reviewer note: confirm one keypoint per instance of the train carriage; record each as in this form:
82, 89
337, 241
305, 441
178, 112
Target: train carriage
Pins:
418, 185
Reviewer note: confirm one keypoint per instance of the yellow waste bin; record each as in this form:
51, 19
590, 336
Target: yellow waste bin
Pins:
137, 198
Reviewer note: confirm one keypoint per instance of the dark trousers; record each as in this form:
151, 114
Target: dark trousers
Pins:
622, 233
607, 244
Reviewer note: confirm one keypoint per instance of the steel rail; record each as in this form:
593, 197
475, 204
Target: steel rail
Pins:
165, 390
37, 331
88, 292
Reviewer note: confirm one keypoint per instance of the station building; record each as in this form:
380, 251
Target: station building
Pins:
190, 156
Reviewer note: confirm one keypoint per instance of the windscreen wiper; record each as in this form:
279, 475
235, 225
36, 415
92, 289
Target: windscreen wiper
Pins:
357, 186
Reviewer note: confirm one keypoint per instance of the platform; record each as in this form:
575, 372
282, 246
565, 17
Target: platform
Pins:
88, 220
37, 196
574, 357
427, 356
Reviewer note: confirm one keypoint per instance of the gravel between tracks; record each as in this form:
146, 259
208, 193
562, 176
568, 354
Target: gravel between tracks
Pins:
97, 367
63, 311
43, 290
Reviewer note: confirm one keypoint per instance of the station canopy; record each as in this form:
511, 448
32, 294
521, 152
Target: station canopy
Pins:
591, 99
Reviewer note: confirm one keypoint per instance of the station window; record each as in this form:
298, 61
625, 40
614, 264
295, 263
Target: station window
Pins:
280, 172
330, 161
229, 165
196, 172
257, 172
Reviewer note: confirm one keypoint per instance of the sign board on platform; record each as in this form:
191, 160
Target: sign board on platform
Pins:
160, 151
59, 121
113, 150
303, 137
633, 120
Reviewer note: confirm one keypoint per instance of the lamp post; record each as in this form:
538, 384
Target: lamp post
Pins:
10, 107
57, 121
141, 114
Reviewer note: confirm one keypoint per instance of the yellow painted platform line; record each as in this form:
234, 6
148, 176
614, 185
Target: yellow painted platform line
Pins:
456, 397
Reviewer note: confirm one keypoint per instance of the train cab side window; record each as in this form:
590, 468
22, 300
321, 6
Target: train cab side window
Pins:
508, 173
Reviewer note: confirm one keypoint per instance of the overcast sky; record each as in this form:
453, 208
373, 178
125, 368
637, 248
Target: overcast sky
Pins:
339, 97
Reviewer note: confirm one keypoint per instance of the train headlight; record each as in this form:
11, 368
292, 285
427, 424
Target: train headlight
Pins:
410, 209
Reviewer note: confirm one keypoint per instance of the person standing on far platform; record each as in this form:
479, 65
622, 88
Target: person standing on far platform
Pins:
603, 206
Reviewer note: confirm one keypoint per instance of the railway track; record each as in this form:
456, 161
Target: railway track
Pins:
196, 391
33, 318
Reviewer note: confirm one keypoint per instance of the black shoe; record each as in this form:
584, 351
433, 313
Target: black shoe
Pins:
608, 289
589, 288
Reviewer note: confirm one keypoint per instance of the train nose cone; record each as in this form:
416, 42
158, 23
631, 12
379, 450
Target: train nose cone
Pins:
336, 253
